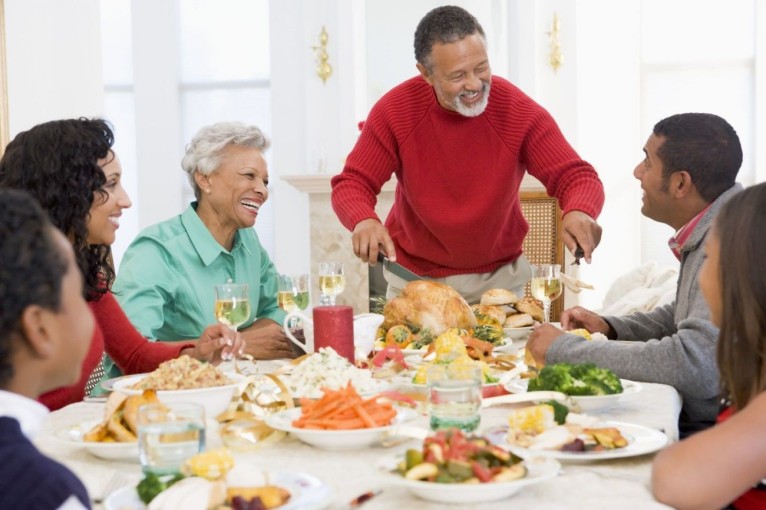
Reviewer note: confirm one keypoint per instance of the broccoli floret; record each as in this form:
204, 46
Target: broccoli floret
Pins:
578, 380
601, 380
151, 485
553, 378
560, 411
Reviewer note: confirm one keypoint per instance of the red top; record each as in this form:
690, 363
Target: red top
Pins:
755, 498
133, 353
456, 209
684, 233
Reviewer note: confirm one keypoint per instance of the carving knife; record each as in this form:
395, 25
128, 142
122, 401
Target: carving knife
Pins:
398, 269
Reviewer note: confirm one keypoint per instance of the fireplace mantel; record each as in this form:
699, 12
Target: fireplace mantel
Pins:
331, 241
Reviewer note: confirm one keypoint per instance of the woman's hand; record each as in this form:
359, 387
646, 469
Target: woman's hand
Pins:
217, 343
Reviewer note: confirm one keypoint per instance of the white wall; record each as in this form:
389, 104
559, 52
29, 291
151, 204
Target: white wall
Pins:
53, 61
598, 97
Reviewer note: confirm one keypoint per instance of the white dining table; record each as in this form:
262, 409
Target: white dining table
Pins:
605, 484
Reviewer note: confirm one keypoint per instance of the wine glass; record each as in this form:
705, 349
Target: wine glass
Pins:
546, 285
293, 293
232, 304
331, 281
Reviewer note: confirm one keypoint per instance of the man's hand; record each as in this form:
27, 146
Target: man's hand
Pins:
368, 236
579, 317
265, 339
217, 343
579, 228
540, 340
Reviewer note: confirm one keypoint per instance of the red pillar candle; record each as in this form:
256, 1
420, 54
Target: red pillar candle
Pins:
334, 327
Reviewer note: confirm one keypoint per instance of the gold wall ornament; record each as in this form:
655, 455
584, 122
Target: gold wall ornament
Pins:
323, 69
556, 57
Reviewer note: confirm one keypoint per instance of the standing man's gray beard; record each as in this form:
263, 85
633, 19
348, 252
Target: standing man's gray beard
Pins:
477, 109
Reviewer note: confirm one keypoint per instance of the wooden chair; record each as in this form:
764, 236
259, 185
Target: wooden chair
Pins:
543, 244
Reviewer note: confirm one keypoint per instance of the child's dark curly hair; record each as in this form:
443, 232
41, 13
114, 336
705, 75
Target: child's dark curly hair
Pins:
32, 268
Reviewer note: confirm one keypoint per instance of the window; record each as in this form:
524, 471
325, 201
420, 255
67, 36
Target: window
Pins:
224, 74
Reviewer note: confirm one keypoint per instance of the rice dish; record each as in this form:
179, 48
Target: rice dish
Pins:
326, 369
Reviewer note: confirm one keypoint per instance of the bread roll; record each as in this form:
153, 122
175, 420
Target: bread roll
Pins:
520, 320
495, 312
531, 306
498, 297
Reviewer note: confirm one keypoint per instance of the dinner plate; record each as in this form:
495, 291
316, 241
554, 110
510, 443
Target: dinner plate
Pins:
306, 493
538, 470
111, 451
336, 439
506, 343
589, 403
641, 440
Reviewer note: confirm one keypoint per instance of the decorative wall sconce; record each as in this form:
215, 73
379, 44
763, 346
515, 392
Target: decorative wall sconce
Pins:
556, 57
323, 69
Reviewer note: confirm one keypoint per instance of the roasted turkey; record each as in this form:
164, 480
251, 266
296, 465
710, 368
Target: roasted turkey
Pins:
429, 305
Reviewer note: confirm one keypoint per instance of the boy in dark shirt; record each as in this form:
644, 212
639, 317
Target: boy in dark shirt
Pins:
45, 332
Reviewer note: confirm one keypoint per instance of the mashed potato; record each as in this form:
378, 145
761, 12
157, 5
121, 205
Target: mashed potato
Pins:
183, 373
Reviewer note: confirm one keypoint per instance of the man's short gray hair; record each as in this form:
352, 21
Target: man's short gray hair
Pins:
203, 154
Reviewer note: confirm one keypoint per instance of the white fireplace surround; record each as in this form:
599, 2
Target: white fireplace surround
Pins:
331, 241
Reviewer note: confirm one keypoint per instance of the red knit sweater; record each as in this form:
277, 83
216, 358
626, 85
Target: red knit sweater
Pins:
133, 353
456, 208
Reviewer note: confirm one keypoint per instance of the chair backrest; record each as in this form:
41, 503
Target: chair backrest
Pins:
543, 244
95, 377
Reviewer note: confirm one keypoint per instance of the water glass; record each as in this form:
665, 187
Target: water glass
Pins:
455, 396
169, 434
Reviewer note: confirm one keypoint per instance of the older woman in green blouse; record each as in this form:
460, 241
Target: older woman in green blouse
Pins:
166, 279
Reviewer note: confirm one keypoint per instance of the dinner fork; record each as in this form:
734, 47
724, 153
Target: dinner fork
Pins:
117, 481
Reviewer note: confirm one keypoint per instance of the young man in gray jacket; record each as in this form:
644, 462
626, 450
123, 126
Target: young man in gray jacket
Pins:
689, 171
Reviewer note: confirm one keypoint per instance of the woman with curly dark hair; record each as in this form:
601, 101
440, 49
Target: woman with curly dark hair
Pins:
726, 465
70, 168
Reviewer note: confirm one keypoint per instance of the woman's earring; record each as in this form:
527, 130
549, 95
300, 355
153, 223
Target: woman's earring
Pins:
207, 191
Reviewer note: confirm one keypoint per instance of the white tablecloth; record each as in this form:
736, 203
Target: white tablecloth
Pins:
608, 484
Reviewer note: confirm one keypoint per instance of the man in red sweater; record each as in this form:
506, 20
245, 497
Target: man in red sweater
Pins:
459, 154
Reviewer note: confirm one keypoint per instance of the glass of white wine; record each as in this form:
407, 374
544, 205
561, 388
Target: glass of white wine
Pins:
331, 281
293, 293
232, 304
546, 285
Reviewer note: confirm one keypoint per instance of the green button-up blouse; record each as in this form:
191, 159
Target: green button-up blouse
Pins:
167, 276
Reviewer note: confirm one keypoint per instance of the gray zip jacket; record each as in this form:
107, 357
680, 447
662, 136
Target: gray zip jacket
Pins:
673, 344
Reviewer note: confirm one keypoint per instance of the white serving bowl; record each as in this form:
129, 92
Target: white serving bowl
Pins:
215, 399
538, 470
586, 403
336, 439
